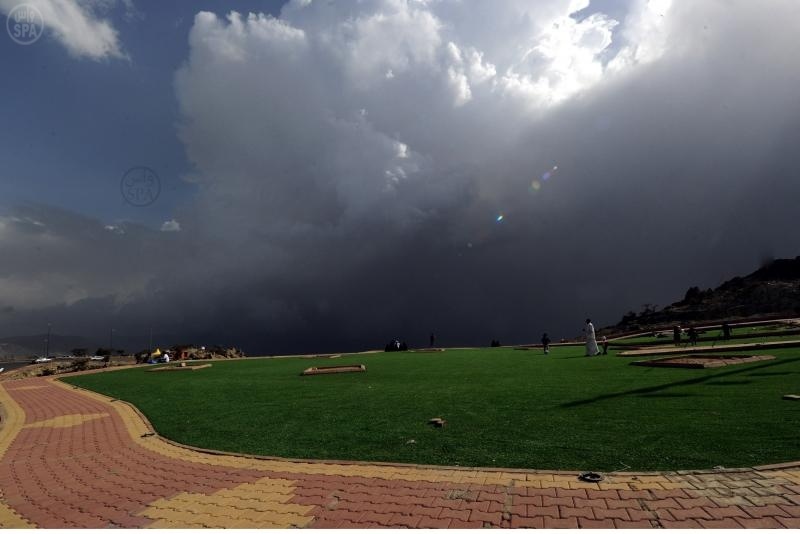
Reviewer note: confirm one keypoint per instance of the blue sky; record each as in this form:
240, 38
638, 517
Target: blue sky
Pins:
76, 125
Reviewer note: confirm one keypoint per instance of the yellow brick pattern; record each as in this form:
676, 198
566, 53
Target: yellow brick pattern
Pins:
11, 519
64, 421
260, 504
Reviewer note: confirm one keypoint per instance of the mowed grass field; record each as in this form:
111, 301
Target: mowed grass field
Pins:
504, 408
714, 337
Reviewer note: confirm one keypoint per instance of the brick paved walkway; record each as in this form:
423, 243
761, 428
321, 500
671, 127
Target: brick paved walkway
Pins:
70, 458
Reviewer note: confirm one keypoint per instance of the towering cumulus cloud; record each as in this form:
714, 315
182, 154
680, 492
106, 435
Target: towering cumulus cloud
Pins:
495, 169
75, 25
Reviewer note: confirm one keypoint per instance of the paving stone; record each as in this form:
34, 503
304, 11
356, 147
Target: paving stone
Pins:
725, 512
590, 503
663, 503
491, 518
763, 500
612, 513
690, 513
527, 522
429, 522
694, 502
561, 492
602, 494
792, 509
557, 501
730, 501
403, 520
789, 522
633, 504
566, 511
458, 523
495, 506
542, 511
765, 511
550, 522
80, 463
764, 522
669, 493
461, 515
632, 524
635, 494
641, 515
537, 500
719, 523
595, 523
688, 523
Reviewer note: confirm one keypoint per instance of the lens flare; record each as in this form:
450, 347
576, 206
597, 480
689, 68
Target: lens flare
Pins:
536, 185
500, 218
549, 174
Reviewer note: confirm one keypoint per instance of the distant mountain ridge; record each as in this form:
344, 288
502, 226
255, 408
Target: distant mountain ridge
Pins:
34, 346
771, 291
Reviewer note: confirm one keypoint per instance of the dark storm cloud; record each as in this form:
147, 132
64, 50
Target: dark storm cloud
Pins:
351, 163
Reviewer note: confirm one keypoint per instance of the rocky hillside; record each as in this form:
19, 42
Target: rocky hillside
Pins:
771, 291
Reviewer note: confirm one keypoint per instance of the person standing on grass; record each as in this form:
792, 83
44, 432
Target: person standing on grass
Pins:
605, 345
546, 343
692, 336
676, 335
591, 342
433, 340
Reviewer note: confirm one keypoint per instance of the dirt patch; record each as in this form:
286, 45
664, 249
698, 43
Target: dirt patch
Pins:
179, 367
703, 362
334, 369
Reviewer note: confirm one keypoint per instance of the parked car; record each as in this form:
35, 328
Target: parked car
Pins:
43, 359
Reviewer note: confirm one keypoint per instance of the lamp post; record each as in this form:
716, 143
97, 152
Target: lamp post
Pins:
47, 343
111, 341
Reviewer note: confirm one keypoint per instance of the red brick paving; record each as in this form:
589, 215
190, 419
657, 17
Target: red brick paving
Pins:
95, 475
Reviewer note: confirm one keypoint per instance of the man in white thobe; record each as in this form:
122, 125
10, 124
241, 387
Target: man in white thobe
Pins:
591, 342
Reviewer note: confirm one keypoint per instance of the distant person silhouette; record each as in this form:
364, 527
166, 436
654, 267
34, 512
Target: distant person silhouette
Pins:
546, 343
676, 334
591, 341
726, 331
692, 336
433, 340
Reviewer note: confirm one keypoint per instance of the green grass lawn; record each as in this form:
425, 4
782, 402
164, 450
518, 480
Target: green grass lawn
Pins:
702, 341
707, 337
504, 408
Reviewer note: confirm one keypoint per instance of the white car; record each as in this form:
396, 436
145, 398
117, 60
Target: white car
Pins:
97, 358
43, 359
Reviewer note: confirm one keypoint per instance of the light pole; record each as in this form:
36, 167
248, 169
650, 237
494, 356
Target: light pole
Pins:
47, 343
111, 341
